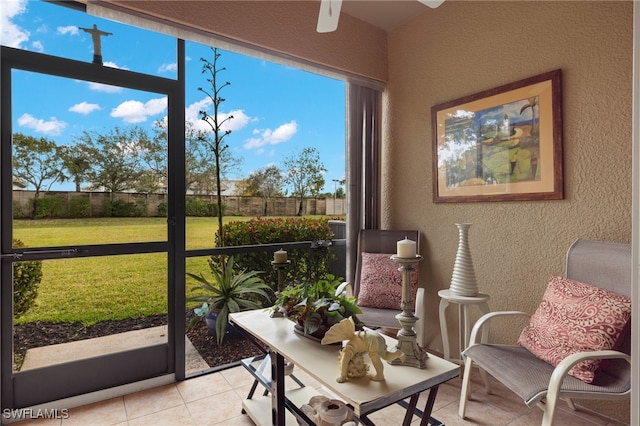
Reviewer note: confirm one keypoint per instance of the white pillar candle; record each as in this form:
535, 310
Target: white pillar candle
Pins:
406, 248
280, 256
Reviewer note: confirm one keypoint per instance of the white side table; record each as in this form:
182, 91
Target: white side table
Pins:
465, 303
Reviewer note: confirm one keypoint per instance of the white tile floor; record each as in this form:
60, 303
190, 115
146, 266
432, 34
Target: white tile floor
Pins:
215, 399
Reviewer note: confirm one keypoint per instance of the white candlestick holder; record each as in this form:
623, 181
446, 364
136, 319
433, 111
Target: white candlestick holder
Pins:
415, 356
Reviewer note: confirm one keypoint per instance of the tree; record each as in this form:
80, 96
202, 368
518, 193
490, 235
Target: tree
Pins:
305, 174
154, 155
243, 188
216, 122
116, 158
200, 171
38, 163
265, 183
203, 171
75, 160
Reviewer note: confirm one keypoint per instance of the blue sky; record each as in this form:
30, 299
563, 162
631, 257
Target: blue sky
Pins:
277, 110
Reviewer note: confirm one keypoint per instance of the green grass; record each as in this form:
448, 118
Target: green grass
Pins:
94, 289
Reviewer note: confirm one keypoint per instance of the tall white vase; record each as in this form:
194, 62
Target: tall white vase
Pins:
463, 279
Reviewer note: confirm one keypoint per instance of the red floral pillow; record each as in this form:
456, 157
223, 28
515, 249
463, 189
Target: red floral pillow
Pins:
381, 282
575, 317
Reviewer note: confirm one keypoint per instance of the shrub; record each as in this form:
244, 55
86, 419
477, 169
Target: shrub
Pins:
18, 213
202, 208
307, 265
26, 280
140, 207
79, 207
196, 208
49, 206
121, 208
162, 210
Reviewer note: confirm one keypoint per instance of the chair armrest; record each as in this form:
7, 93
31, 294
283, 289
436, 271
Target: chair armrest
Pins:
484, 321
562, 369
419, 310
344, 289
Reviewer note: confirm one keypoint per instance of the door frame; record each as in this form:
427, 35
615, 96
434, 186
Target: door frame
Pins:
32, 387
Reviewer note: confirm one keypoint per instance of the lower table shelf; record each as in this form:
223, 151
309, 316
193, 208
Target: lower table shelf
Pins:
259, 408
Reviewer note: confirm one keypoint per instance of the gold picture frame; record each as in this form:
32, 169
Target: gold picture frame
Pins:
503, 144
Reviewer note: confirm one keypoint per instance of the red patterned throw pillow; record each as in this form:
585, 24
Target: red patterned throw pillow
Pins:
381, 282
575, 317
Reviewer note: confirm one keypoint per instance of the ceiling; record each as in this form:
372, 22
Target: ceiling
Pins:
385, 14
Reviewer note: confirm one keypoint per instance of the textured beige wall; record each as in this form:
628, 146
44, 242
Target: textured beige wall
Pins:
463, 48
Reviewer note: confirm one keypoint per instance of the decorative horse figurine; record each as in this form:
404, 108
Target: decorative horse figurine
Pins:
359, 342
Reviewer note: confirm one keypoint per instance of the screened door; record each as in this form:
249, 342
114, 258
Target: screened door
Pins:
107, 255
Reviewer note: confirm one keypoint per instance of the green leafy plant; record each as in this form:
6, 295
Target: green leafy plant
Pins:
315, 306
26, 280
229, 291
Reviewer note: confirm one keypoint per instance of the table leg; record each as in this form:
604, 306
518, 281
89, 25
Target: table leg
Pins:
463, 324
411, 408
277, 390
484, 308
366, 421
467, 328
426, 417
443, 328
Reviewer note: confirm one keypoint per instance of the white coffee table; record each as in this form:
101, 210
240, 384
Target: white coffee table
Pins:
321, 362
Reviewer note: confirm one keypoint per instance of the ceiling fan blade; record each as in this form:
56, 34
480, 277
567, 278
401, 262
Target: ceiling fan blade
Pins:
432, 3
329, 15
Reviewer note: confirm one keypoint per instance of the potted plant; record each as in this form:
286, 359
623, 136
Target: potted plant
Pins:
315, 307
229, 291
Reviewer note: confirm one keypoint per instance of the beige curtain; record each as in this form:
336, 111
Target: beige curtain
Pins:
363, 167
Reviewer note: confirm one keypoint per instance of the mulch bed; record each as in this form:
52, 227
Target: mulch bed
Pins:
39, 333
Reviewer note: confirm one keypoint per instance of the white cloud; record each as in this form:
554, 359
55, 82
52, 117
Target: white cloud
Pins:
272, 137
69, 29
53, 127
37, 46
84, 108
137, 112
105, 88
192, 111
11, 34
240, 118
114, 65
99, 87
237, 121
167, 68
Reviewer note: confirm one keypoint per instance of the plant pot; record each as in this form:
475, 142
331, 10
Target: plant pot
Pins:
210, 320
316, 335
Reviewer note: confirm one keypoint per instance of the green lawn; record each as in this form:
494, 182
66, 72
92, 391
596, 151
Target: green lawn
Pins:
95, 289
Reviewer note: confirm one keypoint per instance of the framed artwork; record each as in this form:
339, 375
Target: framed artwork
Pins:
503, 144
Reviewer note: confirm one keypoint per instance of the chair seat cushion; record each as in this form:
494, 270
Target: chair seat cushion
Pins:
528, 376
376, 317
381, 282
575, 317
